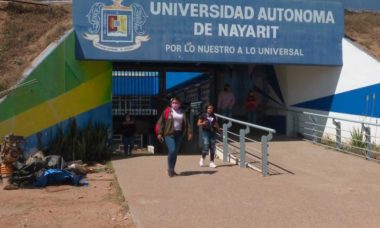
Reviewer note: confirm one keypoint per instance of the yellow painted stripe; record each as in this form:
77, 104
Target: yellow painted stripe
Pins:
81, 99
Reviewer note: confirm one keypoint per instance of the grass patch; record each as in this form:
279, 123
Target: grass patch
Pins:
328, 141
356, 145
119, 196
357, 138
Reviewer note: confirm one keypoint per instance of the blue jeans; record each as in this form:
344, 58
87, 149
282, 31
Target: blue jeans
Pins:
208, 144
128, 142
252, 117
173, 143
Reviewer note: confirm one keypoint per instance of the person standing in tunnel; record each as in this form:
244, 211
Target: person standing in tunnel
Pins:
226, 101
210, 126
251, 106
128, 130
172, 127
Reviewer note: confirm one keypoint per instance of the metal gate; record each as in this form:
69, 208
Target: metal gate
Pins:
133, 92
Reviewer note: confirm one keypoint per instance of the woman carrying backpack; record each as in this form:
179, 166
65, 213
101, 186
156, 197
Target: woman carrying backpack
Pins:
171, 129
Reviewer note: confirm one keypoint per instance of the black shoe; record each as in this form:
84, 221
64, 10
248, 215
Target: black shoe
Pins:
171, 173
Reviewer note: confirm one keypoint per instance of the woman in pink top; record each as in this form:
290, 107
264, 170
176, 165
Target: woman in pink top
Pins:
226, 101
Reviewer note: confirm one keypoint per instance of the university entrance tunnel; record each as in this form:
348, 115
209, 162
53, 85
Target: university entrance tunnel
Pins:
144, 91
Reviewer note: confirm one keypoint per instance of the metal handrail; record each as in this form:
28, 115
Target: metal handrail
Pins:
300, 123
242, 140
339, 118
273, 131
365, 132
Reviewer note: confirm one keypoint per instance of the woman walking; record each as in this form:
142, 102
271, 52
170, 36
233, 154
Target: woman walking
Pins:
210, 126
172, 128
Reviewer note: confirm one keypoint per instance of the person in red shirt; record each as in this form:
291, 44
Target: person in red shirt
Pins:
251, 106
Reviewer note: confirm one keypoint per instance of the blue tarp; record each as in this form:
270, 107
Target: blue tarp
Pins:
57, 176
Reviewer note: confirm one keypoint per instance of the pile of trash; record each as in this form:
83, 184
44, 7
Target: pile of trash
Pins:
38, 170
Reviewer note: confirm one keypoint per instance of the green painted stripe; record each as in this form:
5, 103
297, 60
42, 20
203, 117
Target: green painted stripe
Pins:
85, 97
57, 74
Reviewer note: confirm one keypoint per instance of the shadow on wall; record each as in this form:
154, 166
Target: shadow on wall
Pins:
300, 84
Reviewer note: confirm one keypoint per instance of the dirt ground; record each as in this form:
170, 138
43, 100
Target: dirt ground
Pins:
100, 204
25, 30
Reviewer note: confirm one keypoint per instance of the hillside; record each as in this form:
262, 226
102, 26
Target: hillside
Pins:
26, 30
364, 29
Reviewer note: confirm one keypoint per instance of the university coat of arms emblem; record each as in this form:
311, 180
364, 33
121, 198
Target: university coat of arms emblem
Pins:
116, 28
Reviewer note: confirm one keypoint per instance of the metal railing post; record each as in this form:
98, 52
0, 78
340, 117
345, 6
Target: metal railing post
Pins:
265, 154
225, 140
243, 132
295, 125
314, 130
338, 135
368, 146
242, 139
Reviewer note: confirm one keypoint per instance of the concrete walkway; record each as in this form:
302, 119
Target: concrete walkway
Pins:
317, 187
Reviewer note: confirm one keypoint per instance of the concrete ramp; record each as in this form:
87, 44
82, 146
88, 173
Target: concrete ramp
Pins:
321, 188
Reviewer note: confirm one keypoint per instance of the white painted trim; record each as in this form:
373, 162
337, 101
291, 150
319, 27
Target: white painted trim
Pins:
44, 54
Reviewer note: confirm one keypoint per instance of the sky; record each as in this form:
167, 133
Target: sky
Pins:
175, 78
